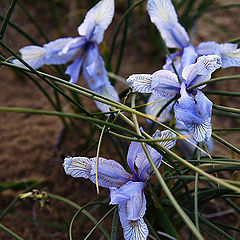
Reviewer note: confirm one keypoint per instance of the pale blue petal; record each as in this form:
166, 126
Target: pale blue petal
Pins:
165, 83
163, 15
188, 148
195, 112
189, 56
132, 230
32, 55
97, 20
126, 191
186, 109
54, 53
94, 69
75, 44
230, 55
144, 168
134, 149
201, 70
77, 166
174, 58
208, 48
140, 82
74, 69
110, 173
155, 104
106, 90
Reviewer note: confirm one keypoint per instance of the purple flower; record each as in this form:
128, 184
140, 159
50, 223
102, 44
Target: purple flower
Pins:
164, 16
126, 189
192, 108
83, 49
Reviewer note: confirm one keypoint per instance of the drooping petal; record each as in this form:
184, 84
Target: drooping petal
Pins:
165, 83
189, 56
133, 150
155, 104
77, 166
54, 54
190, 148
74, 69
195, 113
163, 15
201, 70
126, 191
97, 20
94, 69
144, 168
75, 44
33, 55
208, 48
230, 55
132, 230
140, 82
110, 173
106, 90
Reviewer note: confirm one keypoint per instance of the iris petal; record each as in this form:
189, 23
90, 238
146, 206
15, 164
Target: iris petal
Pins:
230, 55
140, 82
97, 20
163, 15
132, 230
110, 173
77, 166
33, 55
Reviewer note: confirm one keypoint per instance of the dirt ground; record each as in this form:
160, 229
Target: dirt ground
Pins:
28, 142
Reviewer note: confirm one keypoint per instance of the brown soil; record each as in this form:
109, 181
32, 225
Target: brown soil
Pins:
28, 142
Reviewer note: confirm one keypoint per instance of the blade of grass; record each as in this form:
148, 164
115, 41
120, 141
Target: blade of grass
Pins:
10, 232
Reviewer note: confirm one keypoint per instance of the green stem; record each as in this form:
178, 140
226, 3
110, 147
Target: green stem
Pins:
7, 230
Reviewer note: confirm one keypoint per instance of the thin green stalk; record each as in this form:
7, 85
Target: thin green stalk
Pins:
7, 18
114, 225
86, 213
124, 39
99, 222
178, 208
18, 29
213, 80
226, 109
118, 29
76, 215
222, 93
11, 233
224, 142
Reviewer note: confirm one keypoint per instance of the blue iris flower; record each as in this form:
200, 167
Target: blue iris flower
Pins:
193, 108
126, 189
84, 51
163, 15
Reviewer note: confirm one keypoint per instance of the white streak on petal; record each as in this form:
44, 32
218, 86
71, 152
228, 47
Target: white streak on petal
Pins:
230, 55
77, 166
140, 82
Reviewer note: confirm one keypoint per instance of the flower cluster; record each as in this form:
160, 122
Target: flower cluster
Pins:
126, 189
83, 48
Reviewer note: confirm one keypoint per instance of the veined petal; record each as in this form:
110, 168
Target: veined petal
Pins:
144, 168
189, 56
132, 230
196, 115
94, 69
134, 149
186, 109
106, 90
77, 166
97, 20
74, 69
230, 55
110, 173
140, 82
208, 48
33, 55
54, 49
74, 44
155, 104
201, 70
165, 83
189, 148
126, 191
